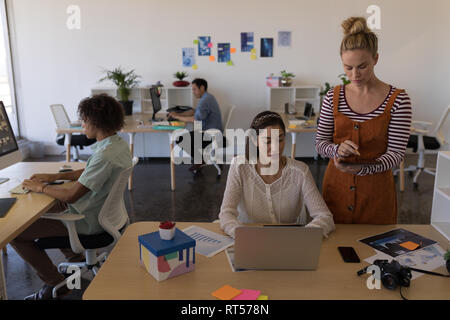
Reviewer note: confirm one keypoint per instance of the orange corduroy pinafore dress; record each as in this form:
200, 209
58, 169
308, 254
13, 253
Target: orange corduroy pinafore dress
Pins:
369, 199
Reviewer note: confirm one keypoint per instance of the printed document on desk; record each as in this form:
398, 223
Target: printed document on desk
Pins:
208, 243
428, 258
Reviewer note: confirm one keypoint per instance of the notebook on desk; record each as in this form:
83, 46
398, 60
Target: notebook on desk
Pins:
159, 127
5, 205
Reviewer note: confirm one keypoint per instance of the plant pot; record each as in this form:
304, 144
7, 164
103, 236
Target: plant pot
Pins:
181, 83
166, 234
286, 82
128, 107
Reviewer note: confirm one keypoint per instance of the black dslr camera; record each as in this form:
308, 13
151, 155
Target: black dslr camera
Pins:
392, 274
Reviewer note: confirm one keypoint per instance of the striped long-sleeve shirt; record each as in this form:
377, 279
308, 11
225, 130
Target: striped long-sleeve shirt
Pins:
398, 131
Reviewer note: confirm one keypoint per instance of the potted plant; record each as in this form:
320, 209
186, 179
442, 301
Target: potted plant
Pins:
167, 230
124, 81
447, 259
286, 78
180, 75
344, 80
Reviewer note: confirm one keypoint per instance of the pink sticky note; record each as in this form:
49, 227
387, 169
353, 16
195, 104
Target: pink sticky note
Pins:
210, 45
247, 294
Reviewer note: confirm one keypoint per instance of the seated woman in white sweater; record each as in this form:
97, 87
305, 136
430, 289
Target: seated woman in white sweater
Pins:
253, 194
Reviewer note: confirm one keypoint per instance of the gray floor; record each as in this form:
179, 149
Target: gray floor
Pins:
197, 199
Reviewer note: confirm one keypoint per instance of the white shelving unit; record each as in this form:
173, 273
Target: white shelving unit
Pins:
296, 96
170, 97
440, 212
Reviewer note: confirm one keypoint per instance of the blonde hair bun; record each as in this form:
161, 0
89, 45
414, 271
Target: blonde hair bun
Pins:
357, 35
355, 25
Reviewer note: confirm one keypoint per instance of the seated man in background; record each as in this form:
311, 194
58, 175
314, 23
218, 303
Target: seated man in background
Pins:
207, 111
102, 116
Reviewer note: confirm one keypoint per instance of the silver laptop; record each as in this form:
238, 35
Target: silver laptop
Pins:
277, 247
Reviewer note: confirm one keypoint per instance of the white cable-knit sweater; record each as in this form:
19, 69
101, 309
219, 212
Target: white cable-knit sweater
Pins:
248, 199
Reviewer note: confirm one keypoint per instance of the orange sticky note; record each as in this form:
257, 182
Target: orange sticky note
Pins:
410, 245
212, 58
226, 293
292, 126
233, 50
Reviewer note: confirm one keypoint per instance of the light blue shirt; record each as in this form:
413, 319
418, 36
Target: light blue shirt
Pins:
208, 112
111, 156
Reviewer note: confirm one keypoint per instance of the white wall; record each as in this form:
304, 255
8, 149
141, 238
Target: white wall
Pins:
57, 65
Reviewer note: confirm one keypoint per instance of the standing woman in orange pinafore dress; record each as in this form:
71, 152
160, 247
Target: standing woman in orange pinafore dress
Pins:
363, 128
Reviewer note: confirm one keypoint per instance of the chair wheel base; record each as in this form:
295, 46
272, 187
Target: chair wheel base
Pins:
415, 186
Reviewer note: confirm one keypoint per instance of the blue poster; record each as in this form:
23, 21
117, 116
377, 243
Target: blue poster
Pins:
203, 48
188, 57
247, 43
223, 52
284, 38
267, 47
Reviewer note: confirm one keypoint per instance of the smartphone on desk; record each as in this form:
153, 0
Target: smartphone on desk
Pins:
349, 254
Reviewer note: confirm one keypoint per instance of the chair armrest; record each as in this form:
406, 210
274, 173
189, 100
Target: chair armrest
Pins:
419, 131
421, 125
61, 216
69, 221
425, 123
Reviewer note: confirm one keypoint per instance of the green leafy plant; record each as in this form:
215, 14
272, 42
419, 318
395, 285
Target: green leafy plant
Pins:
344, 80
180, 75
124, 81
285, 74
447, 255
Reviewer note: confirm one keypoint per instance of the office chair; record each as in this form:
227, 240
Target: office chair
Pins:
113, 218
420, 142
63, 122
227, 113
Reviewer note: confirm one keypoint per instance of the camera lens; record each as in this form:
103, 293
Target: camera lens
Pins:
389, 281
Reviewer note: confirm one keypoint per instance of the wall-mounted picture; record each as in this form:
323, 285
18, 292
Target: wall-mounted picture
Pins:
247, 42
223, 52
267, 47
203, 48
284, 38
188, 57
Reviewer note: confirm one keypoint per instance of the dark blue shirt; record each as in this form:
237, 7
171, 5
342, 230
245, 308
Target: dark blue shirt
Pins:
208, 112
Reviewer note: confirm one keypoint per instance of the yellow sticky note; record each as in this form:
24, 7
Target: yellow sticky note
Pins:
226, 293
195, 41
253, 57
233, 50
253, 51
410, 245
292, 126
230, 63
212, 58
263, 297
195, 67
